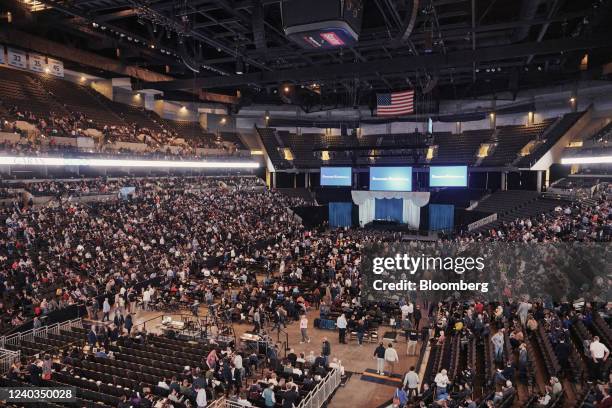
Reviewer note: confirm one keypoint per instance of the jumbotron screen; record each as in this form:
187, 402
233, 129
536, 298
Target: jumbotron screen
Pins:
391, 178
448, 176
336, 176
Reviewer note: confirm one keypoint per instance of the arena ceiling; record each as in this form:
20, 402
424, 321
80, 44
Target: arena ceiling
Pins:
452, 49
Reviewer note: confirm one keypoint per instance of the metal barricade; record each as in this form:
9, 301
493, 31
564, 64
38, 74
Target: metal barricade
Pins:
324, 389
7, 357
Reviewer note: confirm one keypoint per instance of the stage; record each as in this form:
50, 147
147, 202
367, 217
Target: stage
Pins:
407, 233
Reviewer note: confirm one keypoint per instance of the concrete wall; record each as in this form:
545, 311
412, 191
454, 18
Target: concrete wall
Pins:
103, 87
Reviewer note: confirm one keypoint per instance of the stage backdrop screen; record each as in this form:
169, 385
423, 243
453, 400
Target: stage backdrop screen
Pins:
448, 176
336, 176
391, 178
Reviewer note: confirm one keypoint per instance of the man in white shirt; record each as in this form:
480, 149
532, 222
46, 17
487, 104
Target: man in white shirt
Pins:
411, 382
391, 358
304, 329
441, 381
599, 354
341, 323
200, 397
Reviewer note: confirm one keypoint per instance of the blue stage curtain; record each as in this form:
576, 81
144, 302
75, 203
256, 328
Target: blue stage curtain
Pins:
340, 214
389, 209
441, 217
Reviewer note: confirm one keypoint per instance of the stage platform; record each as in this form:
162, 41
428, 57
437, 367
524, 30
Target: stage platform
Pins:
371, 375
407, 233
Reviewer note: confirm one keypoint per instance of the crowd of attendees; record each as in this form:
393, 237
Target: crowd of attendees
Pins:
203, 238
163, 140
577, 221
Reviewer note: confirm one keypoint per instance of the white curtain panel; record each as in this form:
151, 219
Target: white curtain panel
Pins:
366, 212
411, 214
412, 203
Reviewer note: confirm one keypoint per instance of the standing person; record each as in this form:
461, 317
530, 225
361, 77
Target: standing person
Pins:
268, 396
256, 321
379, 355
523, 310
599, 354
413, 337
290, 397
341, 323
411, 382
442, 381
304, 329
326, 350
91, 337
128, 323
498, 343
391, 358
361, 328
400, 397
106, 308
200, 397
417, 317
118, 320
146, 298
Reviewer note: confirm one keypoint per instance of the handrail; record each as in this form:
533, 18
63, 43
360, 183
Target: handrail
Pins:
29, 335
323, 390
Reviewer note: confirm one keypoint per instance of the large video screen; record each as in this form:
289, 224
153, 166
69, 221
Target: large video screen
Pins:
336, 176
391, 178
448, 176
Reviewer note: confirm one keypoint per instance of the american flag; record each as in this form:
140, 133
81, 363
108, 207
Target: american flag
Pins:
395, 103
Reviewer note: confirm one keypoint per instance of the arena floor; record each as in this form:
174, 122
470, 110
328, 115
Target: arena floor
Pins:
354, 358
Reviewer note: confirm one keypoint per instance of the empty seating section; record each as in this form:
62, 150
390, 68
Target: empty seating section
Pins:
502, 202
270, 142
510, 140
603, 135
461, 148
19, 88
553, 135
76, 98
532, 209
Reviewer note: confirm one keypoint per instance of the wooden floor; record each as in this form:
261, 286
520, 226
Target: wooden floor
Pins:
353, 357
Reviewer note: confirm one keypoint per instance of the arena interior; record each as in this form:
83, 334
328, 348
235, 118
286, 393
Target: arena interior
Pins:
208, 203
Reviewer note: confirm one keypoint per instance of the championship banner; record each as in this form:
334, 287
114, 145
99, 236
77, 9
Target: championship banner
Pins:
56, 67
36, 62
2, 54
17, 58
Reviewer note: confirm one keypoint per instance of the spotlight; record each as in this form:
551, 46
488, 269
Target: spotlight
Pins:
223, 121
239, 66
286, 89
47, 70
153, 46
83, 79
94, 24
572, 99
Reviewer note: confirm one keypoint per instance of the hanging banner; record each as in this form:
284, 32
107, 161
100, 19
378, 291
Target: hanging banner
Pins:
36, 63
55, 67
17, 58
1, 54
